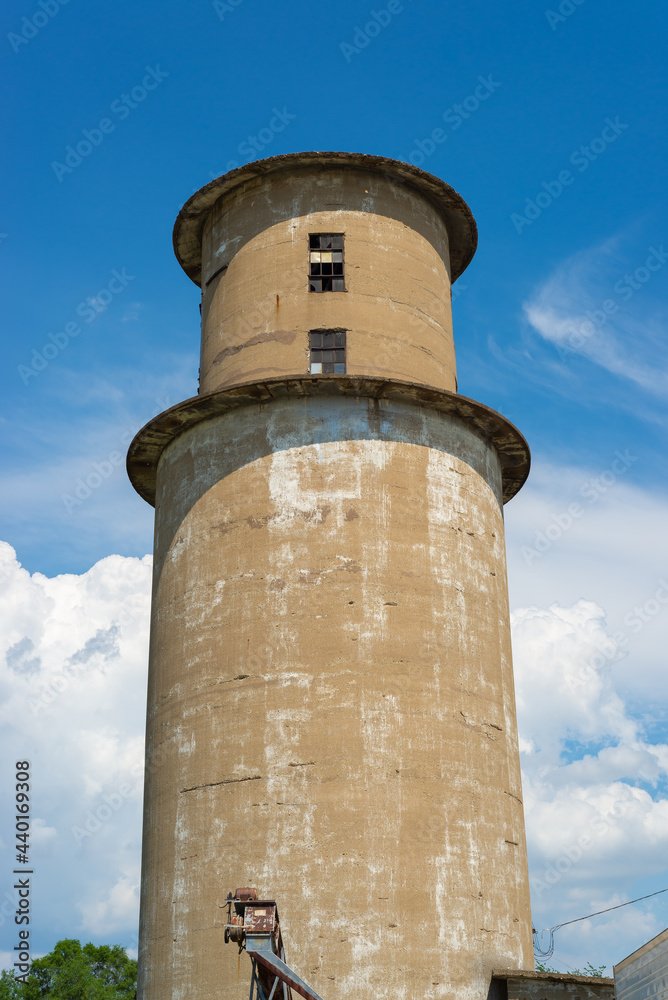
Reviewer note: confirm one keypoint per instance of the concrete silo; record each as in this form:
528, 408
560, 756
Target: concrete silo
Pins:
331, 712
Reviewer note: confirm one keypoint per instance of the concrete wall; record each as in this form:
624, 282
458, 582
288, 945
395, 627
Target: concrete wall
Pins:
524, 985
397, 305
331, 708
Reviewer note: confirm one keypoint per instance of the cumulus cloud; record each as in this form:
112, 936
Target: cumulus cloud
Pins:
594, 783
593, 533
117, 909
73, 655
588, 582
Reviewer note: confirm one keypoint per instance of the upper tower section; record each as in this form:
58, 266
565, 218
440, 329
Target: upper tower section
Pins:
326, 263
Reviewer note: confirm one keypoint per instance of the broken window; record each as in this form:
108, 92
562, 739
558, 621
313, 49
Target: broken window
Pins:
326, 262
328, 352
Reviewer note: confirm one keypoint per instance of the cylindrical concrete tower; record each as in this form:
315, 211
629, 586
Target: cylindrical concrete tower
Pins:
331, 713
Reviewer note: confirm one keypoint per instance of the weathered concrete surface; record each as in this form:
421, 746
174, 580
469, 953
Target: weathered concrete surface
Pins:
525, 985
147, 447
445, 201
331, 713
257, 312
331, 709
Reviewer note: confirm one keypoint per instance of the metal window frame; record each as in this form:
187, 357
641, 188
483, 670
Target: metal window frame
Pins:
342, 366
321, 278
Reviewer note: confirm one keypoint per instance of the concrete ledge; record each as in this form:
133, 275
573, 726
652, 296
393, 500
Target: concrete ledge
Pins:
517, 984
146, 448
456, 214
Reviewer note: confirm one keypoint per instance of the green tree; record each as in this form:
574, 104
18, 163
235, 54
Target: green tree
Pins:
10, 988
73, 972
589, 970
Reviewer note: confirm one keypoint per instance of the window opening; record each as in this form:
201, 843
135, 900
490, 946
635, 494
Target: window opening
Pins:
326, 262
328, 352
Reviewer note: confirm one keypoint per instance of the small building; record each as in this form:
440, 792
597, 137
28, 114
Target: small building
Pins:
643, 975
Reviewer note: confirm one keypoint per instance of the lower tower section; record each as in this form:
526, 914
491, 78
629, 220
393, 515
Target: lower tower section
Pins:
331, 708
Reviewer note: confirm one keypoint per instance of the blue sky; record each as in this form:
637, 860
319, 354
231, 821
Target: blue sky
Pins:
550, 126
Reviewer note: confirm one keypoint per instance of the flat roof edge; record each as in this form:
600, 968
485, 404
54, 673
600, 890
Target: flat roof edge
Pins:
552, 977
642, 950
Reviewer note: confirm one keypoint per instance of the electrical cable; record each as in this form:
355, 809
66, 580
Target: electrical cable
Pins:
549, 951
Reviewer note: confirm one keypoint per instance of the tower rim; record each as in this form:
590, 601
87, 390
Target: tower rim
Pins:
149, 443
456, 214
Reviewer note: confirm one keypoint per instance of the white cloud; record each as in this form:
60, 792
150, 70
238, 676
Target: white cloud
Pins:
596, 814
73, 653
557, 664
73, 660
65, 490
118, 909
607, 309
613, 551
589, 640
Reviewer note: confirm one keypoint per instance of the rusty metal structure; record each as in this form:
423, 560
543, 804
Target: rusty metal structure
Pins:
330, 707
255, 927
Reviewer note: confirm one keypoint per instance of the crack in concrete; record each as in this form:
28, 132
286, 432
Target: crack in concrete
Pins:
226, 781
